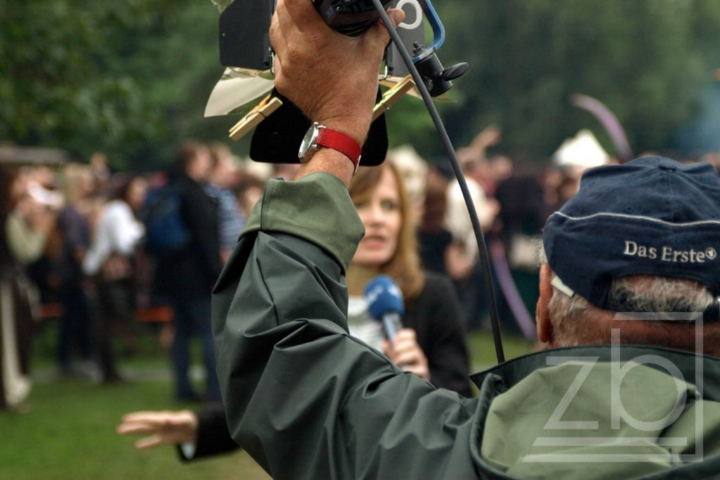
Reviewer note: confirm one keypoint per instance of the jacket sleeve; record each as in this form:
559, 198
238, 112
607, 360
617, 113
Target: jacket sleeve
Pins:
305, 399
213, 437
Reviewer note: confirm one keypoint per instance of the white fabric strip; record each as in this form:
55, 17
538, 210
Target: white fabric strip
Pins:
15, 384
557, 283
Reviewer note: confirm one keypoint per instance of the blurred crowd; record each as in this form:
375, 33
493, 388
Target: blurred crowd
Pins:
79, 248
73, 255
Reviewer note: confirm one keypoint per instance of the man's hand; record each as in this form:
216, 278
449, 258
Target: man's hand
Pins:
490, 136
407, 354
331, 77
163, 428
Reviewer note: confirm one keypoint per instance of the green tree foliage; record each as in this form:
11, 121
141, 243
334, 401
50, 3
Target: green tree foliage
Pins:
646, 59
129, 77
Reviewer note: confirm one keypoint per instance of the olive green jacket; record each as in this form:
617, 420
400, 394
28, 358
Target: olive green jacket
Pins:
308, 401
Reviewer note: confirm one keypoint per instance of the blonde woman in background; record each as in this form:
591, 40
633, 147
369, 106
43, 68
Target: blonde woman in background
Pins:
76, 320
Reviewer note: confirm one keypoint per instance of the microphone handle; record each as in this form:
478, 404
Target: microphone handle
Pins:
391, 324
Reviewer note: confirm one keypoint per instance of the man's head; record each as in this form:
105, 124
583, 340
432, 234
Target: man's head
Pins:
223, 170
473, 166
641, 237
193, 159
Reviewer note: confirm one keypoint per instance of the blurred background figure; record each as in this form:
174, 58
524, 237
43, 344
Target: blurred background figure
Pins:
220, 180
251, 184
474, 163
572, 158
500, 168
433, 238
248, 192
100, 171
111, 262
31, 218
432, 342
74, 230
518, 228
414, 170
42, 187
24, 226
186, 277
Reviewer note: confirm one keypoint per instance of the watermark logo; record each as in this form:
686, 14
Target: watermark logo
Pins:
597, 432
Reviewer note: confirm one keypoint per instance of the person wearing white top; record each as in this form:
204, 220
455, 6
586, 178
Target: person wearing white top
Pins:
117, 231
110, 261
468, 279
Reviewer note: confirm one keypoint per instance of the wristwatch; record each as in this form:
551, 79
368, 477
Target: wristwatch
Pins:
319, 136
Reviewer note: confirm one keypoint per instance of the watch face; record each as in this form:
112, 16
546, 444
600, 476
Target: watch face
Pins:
309, 140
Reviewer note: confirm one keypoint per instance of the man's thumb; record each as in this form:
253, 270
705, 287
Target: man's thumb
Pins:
397, 15
380, 33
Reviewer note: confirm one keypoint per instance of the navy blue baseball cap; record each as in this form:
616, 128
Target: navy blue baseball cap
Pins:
650, 216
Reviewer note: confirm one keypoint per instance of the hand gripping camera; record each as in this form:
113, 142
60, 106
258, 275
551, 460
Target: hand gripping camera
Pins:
245, 46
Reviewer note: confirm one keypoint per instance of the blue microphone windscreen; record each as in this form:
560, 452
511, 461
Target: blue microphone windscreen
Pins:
383, 296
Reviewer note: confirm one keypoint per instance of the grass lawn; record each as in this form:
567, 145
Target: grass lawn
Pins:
70, 434
70, 430
482, 349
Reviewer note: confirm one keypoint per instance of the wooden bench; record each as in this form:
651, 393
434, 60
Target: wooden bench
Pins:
158, 314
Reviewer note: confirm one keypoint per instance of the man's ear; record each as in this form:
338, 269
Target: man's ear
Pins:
544, 326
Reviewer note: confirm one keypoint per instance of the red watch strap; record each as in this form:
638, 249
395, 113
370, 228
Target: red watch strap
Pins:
342, 143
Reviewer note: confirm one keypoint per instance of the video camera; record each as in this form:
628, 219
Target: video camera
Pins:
244, 26
245, 44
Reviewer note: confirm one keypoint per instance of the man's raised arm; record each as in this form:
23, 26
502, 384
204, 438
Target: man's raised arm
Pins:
304, 398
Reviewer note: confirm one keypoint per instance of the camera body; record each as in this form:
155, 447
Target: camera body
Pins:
350, 17
245, 34
245, 45
245, 24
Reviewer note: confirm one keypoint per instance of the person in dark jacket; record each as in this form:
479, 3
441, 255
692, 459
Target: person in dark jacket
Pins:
307, 400
76, 320
24, 225
187, 277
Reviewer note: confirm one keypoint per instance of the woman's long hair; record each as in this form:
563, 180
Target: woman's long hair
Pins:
435, 205
8, 176
122, 190
404, 266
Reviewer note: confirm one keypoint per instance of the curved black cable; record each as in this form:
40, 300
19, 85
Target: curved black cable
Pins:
482, 247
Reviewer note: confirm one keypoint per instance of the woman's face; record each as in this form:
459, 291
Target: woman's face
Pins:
382, 217
199, 167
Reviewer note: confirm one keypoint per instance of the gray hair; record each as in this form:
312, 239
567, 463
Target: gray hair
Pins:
639, 293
